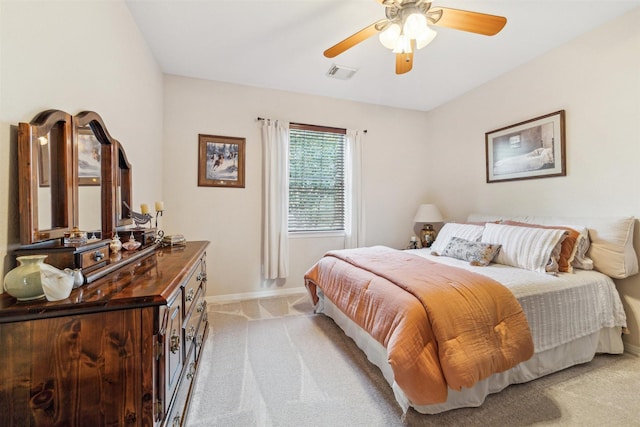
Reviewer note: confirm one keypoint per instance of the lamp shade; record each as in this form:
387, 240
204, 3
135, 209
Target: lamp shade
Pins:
428, 213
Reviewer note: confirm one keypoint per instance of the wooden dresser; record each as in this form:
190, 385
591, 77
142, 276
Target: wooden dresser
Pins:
121, 351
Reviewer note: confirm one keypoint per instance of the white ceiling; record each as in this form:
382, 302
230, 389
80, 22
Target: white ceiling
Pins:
279, 44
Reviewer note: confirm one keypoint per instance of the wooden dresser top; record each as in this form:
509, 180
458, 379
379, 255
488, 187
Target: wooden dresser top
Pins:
149, 281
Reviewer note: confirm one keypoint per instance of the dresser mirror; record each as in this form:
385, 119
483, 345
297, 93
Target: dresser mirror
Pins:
72, 174
45, 153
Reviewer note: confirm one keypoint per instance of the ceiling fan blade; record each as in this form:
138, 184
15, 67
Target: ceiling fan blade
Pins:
404, 62
464, 20
353, 40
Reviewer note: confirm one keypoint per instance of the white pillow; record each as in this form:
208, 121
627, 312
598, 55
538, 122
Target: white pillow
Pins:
611, 240
471, 232
523, 247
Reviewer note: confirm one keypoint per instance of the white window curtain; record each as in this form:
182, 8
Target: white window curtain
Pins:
355, 221
275, 239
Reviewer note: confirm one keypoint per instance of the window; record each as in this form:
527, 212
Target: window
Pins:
316, 178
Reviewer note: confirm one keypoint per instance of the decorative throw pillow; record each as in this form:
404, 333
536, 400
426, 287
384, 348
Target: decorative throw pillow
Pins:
471, 232
567, 249
477, 253
580, 259
524, 247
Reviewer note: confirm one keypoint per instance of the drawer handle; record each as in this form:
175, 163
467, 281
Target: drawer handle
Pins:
190, 293
174, 343
202, 276
191, 333
97, 255
202, 306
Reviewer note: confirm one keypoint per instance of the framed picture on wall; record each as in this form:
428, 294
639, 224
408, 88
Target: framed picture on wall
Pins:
220, 161
526, 150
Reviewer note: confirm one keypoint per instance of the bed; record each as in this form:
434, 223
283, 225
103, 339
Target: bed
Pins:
569, 300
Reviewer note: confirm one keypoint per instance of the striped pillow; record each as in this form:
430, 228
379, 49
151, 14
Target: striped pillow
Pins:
568, 247
524, 247
471, 232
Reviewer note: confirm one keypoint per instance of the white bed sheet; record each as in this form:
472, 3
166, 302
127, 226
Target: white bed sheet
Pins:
572, 317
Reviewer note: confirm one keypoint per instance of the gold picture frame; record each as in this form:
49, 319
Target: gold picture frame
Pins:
221, 161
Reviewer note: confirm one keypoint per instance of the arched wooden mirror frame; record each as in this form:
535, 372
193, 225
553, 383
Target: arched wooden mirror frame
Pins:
115, 174
116, 182
53, 128
122, 206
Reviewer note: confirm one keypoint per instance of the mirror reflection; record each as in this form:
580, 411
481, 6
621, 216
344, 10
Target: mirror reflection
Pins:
123, 189
51, 178
89, 181
44, 183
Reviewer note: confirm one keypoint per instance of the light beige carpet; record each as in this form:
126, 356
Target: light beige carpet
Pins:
273, 363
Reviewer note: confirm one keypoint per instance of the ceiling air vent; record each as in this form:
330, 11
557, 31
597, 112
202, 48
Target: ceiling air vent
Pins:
341, 72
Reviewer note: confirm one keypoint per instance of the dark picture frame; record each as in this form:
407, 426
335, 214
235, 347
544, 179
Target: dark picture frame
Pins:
221, 161
89, 158
527, 150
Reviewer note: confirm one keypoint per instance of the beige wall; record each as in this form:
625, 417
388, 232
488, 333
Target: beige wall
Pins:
77, 56
89, 55
596, 79
395, 183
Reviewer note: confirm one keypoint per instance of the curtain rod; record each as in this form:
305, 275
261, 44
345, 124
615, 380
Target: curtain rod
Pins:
304, 124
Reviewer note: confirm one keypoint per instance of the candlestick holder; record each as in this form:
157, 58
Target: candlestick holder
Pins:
158, 213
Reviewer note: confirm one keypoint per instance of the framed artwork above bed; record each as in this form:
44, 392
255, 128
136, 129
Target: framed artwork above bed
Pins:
531, 149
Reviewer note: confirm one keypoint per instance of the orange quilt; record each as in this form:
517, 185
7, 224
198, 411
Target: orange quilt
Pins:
442, 326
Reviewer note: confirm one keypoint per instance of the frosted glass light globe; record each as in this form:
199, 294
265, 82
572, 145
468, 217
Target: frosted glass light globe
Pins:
415, 25
389, 37
403, 45
425, 38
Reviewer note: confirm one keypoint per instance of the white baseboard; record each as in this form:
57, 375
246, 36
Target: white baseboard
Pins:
222, 299
632, 349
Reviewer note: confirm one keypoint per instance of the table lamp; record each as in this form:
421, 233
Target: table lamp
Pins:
427, 214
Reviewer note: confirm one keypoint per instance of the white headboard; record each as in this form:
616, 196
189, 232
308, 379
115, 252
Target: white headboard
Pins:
611, 239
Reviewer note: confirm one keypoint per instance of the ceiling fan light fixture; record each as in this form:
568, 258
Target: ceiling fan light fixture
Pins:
425, 38
389, 37
414, 25
403, 45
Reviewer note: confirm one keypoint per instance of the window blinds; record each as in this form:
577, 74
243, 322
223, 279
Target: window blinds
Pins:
316, 178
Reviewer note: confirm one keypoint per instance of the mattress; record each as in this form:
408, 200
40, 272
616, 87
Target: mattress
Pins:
572, 316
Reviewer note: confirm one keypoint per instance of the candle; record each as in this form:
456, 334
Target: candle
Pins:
144, 208
159, 206
414, 239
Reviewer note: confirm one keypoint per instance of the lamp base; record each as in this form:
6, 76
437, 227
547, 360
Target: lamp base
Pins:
427, 235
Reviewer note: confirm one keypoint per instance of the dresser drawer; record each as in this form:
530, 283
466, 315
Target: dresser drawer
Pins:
201, 334
193, 320
93, 258
191, 289
173, 347
178, 415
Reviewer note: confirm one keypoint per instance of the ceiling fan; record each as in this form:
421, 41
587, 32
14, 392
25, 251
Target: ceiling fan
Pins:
406, 28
